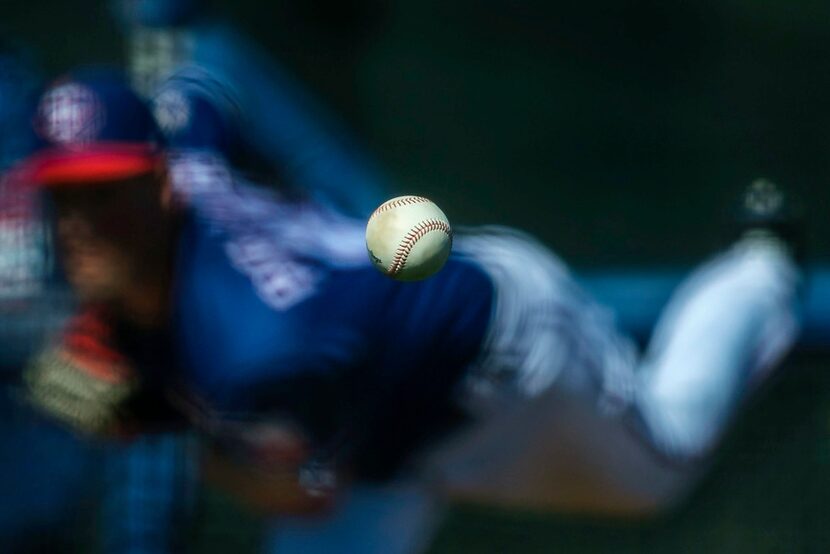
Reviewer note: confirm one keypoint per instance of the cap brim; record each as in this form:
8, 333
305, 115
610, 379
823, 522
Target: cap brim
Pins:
90, 164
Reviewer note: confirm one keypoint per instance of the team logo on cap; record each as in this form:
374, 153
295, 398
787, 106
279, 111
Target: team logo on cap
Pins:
70, 114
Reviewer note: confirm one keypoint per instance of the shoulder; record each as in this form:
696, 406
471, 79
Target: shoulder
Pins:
262, 281
199, 110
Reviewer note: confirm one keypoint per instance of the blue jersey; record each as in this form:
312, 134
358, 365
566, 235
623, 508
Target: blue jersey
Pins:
279, 313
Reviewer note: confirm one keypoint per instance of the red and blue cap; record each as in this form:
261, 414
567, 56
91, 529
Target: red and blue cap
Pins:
92, 128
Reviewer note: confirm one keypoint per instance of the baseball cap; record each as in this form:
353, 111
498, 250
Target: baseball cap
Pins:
92, 127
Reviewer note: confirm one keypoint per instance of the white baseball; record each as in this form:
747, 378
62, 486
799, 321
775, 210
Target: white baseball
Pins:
408, 238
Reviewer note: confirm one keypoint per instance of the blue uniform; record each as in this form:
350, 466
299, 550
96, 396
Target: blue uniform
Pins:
279, 312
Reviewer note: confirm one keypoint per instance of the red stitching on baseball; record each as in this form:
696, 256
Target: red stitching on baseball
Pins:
397, 202
413, 236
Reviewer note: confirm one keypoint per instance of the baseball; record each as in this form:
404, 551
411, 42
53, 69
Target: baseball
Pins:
408, 238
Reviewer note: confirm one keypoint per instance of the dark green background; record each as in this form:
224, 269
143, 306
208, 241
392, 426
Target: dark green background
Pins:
620, 132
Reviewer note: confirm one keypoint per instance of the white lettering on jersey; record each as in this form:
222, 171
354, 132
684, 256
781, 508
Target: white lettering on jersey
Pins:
285, 249
280, 282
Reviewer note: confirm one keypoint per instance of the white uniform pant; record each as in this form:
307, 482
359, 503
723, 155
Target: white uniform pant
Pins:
635, 438
602, 430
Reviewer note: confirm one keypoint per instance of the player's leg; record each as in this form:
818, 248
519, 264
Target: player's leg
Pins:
551, 393
724, 330
606, 439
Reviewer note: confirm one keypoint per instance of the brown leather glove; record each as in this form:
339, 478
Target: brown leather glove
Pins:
81, 381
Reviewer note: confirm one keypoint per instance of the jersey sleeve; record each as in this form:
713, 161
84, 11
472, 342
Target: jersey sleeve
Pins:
196, 111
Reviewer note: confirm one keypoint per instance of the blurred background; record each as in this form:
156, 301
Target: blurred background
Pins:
615, 130
619, 132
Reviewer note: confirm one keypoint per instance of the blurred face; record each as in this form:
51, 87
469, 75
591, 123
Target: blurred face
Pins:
106, 235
